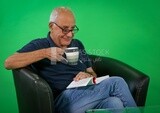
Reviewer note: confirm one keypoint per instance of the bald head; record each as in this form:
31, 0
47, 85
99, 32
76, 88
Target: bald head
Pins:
59, 12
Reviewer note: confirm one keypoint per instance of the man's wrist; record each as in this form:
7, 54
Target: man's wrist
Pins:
89, 74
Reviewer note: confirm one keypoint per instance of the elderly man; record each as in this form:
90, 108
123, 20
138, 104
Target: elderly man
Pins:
110, 93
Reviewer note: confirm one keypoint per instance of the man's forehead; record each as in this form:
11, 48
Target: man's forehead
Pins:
65, 21
65, 17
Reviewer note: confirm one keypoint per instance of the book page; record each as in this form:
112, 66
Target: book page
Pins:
80, 83
99, 79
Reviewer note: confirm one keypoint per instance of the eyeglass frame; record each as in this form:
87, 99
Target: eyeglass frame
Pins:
66, 31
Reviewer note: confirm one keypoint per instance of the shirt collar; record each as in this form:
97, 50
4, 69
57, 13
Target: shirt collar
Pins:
51, 42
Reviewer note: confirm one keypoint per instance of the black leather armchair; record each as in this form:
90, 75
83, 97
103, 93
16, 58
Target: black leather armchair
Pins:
35, 96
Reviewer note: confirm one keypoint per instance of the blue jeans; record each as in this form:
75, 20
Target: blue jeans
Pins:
112, 92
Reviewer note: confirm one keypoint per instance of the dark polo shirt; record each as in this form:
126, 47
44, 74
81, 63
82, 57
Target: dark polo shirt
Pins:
58, 74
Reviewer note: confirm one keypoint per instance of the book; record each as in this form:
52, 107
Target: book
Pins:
87, 81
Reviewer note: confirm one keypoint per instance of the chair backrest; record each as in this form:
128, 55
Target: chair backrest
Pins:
137, 81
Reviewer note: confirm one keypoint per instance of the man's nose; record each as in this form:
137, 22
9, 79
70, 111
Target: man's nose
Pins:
70, 34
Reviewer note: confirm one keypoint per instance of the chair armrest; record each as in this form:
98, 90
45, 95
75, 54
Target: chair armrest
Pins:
33, 93
137, 81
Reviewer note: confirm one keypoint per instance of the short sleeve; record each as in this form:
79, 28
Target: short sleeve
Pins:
34, 45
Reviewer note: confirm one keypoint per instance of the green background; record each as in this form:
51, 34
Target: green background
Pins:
128, 30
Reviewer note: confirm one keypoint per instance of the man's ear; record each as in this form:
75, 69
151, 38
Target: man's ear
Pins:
50, 25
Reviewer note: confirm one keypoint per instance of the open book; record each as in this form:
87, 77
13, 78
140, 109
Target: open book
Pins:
87, 81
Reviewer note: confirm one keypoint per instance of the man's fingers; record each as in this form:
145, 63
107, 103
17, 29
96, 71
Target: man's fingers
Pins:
81, 75
59, 51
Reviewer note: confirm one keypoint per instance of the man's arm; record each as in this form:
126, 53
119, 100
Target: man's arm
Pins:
19, 60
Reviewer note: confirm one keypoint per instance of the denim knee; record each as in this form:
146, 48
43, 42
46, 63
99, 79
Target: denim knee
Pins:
120, 80
117, 78
114, 102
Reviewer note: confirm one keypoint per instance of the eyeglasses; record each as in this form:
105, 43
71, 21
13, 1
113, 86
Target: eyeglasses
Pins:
66, 30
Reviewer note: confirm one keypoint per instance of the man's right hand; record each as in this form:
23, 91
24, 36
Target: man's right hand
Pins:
54, 53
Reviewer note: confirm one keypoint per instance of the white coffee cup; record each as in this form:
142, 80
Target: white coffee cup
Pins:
72, 55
